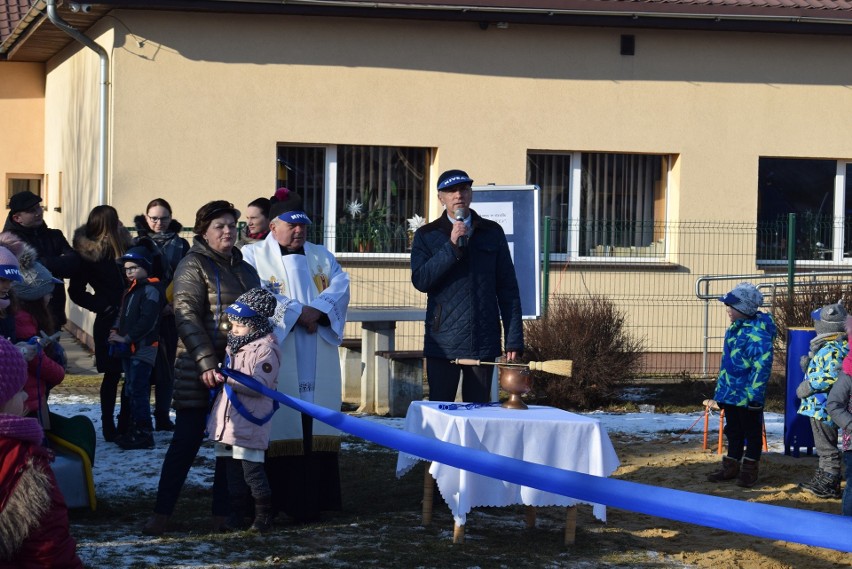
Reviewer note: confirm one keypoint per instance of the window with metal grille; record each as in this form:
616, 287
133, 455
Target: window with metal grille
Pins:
603, 204
359, 197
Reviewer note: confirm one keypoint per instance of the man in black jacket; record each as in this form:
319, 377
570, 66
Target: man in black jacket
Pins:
26, 220
462, 262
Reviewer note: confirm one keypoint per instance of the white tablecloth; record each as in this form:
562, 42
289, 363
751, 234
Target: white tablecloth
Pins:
543, 435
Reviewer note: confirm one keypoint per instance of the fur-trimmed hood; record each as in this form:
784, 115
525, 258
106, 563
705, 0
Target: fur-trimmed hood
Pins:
143, 229
94, 251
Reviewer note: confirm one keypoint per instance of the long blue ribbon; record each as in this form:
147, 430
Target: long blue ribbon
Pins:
761, 520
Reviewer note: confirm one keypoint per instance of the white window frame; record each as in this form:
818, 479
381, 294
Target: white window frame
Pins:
574, 208
838, 227
330, 204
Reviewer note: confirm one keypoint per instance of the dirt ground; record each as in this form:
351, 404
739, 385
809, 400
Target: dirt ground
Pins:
674, 463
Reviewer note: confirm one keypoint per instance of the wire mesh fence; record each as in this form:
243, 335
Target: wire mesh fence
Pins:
681, 324
668, 297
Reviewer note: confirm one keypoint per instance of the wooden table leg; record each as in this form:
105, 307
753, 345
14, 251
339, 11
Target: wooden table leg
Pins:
570, 525
428, 495
458, 533
530, 511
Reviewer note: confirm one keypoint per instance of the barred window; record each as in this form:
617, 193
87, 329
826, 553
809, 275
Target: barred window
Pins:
603, 204
359, 197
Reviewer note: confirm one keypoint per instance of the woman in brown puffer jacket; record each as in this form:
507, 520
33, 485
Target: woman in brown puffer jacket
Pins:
210, 277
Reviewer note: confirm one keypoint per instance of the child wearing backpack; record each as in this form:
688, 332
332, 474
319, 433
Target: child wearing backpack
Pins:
239, 422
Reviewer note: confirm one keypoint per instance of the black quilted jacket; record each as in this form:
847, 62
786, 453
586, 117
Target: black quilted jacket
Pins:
469, 290
205, 283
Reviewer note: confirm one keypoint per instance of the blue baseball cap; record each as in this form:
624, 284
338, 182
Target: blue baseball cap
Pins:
240, 309
139, 255
452, 178
9, 268
295, 217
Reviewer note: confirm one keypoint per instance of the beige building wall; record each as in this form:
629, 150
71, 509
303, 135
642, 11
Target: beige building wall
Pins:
199, 103
22, 116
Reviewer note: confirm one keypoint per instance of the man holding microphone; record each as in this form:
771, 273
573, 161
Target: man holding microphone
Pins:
462, 262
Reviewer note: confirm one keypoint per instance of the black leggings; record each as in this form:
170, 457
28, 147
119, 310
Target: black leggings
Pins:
744, 430
246, 477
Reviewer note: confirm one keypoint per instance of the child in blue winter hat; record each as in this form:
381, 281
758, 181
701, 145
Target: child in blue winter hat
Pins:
825, 359
741, 384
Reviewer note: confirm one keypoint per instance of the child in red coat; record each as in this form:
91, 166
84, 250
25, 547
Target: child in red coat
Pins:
34, 528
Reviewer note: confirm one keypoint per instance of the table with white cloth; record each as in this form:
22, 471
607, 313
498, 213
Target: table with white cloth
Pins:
542, 435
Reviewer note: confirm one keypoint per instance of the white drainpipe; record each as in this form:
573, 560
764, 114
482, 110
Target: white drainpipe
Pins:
104, 57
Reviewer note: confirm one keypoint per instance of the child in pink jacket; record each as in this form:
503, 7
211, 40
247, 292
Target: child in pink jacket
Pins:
239, 422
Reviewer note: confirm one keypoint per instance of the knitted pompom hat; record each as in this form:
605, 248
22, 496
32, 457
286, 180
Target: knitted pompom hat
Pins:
830, 319
253, 309
13, 370
36, 282
288, 206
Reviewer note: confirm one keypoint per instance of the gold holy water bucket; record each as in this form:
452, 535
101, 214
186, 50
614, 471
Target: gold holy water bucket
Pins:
515, 381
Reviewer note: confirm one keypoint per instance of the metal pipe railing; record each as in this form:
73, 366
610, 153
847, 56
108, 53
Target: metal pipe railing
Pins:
703, 285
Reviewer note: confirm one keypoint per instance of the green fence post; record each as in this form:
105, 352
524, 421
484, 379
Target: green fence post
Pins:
545, 285
791, 254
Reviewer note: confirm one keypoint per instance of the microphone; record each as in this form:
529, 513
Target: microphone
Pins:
462, 242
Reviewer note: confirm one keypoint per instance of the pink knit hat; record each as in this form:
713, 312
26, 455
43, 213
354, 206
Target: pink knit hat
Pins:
13, 370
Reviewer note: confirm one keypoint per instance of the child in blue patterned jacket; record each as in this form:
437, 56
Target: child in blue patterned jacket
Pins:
826, 354
741, 384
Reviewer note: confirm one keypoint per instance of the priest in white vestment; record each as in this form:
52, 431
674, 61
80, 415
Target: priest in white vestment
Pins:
313, 295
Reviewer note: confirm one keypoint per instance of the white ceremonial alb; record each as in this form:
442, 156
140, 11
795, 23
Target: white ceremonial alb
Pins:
310, 367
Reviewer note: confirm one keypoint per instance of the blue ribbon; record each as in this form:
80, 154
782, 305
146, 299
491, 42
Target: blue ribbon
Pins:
761, 520
241, 409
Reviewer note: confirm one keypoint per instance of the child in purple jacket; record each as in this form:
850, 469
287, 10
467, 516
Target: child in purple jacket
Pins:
239, 422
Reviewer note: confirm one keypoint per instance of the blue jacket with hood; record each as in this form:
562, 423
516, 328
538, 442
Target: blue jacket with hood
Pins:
746, 361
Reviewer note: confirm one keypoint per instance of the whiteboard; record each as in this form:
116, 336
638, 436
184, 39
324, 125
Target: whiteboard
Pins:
515, 208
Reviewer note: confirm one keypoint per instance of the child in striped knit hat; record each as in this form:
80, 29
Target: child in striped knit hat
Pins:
34, 528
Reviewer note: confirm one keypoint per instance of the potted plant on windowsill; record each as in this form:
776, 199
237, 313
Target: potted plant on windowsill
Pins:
414, 223
369, 230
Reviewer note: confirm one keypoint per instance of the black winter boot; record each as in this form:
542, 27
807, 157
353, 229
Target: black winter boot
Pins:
262, 515
823, 485
728, 471
155, 525
813, 482
108, 425
124, 423
163, 423
136, 438
748, 473
239, 510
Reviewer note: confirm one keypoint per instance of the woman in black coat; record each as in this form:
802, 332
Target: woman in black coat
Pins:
99, 243
159, 232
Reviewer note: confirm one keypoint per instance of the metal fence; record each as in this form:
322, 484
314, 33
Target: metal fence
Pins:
680, 322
